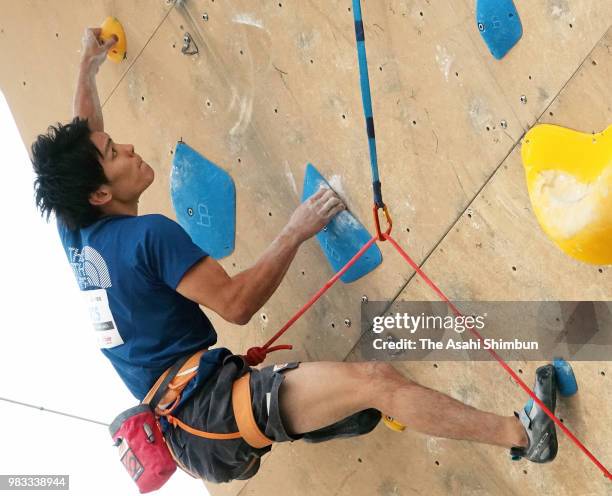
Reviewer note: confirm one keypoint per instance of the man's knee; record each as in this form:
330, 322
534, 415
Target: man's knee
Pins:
380, 373
381, 382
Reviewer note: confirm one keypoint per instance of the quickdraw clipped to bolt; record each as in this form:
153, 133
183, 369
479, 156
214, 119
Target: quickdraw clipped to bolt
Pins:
379, 233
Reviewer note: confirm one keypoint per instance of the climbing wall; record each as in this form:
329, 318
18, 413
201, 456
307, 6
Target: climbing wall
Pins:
275, 86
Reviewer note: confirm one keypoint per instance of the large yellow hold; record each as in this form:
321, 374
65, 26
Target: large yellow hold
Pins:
569, 178
111, 26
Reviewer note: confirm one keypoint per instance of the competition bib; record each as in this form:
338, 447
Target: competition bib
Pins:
101, 318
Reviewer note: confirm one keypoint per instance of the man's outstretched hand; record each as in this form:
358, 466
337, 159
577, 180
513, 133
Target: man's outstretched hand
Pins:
94, 49
86, 103
315, 213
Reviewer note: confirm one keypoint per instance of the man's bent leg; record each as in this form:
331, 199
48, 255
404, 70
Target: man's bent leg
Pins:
318, 394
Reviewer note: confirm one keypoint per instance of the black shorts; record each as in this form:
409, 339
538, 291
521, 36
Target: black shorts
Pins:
210, 410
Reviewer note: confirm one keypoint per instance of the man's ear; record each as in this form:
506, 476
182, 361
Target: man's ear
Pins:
102, 196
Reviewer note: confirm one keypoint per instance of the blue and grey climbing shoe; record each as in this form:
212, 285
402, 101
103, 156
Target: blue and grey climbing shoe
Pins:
539, 427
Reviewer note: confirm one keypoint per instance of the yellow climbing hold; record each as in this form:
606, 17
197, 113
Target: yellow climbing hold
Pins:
569, 178
111, 26
393, 424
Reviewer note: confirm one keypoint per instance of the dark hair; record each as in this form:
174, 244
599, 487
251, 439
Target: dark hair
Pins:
67, 171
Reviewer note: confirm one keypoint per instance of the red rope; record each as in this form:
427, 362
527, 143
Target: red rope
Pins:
506, 367
256, 355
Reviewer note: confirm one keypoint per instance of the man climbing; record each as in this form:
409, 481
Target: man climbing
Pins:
144, 280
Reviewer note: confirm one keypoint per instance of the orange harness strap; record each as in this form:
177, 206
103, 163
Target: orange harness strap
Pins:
178, 462
147, 399
208, 435
178, 383
243, 413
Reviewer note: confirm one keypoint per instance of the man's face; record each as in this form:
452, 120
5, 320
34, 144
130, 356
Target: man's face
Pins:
127, 174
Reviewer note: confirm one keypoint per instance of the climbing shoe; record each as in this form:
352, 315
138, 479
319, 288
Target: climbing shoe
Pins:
539, 427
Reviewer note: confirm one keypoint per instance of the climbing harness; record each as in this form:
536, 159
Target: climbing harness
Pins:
256, 355
143, 449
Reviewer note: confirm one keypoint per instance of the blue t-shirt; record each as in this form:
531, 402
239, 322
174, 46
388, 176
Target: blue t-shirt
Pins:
129, 268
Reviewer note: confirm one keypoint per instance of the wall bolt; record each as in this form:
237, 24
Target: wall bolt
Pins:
364, 299
523, 99
347, 322
480, 26
205, 16
190, 212
504, 124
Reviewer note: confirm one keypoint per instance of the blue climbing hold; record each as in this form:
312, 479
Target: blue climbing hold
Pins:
499, 24
204, 200
343, 237
566, 380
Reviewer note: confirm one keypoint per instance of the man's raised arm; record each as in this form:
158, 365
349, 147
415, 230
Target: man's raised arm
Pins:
86, 103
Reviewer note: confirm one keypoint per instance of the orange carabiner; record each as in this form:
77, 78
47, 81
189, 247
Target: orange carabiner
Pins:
379, 233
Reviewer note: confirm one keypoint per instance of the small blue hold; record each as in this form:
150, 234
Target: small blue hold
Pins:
499, 25
566, 380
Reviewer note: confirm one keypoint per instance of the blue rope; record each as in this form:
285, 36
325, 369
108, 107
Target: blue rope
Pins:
367, 101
